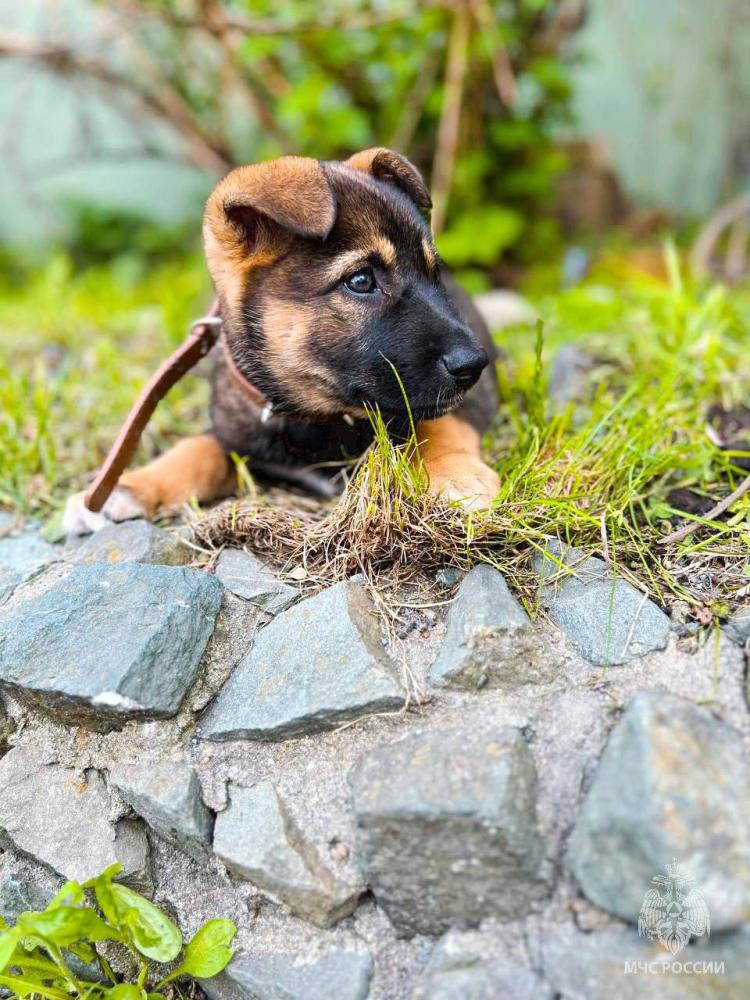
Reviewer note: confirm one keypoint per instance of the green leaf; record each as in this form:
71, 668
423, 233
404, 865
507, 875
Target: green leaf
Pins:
65, 925
125, 991
71, 894
8, 942
102, 886
152, 932
83, 951
208, 951
21, 986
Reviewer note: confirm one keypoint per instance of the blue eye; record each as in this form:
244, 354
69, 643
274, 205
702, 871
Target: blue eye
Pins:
362, 282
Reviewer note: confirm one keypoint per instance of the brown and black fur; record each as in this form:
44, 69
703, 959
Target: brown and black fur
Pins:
282, 242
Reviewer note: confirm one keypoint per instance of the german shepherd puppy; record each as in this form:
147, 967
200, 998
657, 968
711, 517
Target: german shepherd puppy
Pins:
334, 303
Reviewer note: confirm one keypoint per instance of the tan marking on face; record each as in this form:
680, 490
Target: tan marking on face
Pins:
287, 328
387, 251
430, 255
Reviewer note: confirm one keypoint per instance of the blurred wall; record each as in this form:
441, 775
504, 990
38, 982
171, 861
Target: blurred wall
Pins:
60, 139
666, 85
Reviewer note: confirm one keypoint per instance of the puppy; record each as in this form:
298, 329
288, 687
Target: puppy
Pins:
334, 303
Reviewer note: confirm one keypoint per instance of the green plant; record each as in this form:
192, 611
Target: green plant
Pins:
473, 91
35, 954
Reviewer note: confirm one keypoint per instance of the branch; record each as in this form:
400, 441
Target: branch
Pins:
711, 515
164, 103
450, 115
505, 80
268, 26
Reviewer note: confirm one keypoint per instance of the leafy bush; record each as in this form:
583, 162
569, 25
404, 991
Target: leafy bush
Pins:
97, 234
473, 92
35, 953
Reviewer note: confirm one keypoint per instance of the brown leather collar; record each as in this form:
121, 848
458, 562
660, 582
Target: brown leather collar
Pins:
202, 337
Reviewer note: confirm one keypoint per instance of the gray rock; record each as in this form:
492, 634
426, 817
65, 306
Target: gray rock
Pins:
446, 828
256, 839
609, 622
168, 797
671, 784
737, 626
60, 817
7, 729
489, 638
246, 576
315, 666
17, 896
460, 972
338, 975
132, 542
449, 576
567, 374
22, 556
605, 966
110, 643
502, 307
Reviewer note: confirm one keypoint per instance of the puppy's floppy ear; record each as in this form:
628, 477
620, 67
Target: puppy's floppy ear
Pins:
393, 168
292, 192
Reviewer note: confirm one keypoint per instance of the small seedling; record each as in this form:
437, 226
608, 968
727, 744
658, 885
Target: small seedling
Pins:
33, 959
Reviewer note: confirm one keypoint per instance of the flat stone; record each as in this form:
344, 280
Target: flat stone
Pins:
312, 668
257, 840
490, 640
59, 817
246, 576
670, 784
608, 621
110, 643
605, 964
460, 972
168, 797
22, 556
339, 974
502, 307
737, 626
132, 542
446, 828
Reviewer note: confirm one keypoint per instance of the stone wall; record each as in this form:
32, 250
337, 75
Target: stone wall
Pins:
476, 809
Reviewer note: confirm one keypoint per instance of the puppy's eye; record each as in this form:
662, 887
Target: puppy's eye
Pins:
362, 282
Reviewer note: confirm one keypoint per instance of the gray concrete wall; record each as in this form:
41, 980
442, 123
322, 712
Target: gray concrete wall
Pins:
666, 85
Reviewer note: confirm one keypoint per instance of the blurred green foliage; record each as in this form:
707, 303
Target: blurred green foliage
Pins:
262, 78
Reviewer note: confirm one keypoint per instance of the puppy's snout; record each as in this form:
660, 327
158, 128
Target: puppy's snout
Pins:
465, 363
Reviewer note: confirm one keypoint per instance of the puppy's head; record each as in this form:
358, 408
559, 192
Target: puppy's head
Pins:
330, 287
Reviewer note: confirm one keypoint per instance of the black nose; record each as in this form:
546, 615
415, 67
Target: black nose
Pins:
465, 364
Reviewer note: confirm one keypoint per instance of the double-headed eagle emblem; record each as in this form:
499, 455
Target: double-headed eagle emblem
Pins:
674, 911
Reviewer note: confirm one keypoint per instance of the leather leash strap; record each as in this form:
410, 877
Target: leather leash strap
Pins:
203, 335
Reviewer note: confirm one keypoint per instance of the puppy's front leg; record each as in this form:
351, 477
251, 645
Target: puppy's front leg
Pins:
196, 468
449, 447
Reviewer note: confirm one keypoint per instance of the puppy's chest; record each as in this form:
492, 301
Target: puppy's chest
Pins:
281, 440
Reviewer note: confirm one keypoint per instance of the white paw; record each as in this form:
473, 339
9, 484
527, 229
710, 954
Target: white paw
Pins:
122, 505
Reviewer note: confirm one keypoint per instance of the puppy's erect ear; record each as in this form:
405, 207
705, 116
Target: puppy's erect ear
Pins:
393, 168
292, 192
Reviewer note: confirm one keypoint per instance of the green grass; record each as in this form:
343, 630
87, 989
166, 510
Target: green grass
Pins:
76, 348
599, 473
